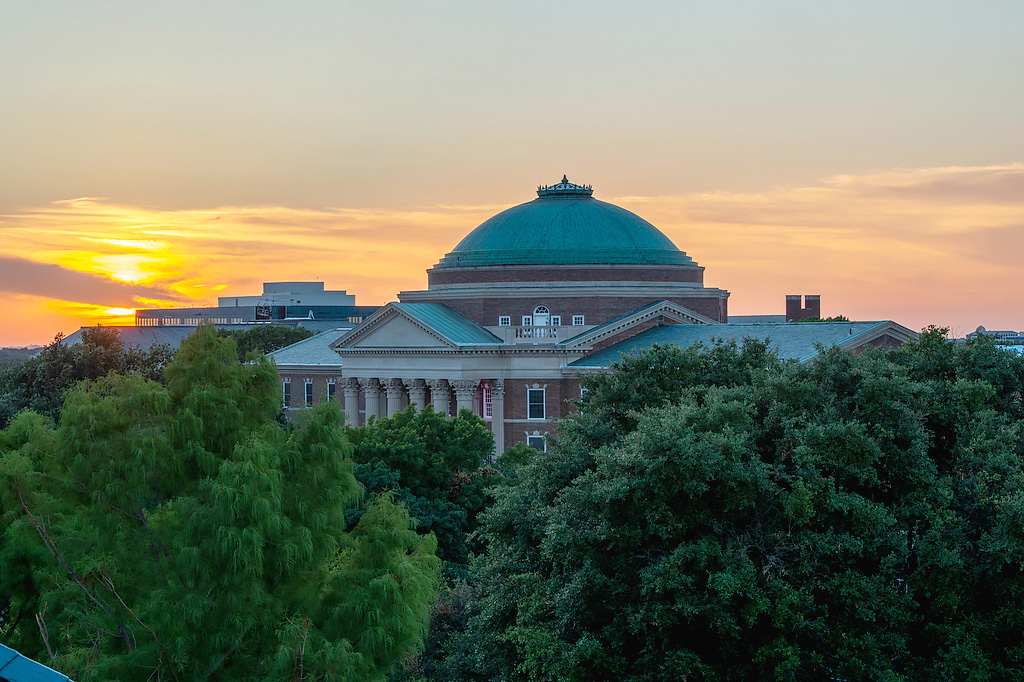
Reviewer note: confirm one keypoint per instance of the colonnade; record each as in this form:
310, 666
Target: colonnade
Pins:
385, 396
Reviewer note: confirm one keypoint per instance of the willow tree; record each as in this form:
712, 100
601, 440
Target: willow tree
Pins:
179, 532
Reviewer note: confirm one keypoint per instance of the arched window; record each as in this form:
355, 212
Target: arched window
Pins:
541, 316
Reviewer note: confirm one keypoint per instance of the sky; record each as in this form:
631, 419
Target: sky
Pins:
166, 153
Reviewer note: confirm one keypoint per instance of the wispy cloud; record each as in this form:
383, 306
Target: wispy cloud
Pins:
922, 246
926, 245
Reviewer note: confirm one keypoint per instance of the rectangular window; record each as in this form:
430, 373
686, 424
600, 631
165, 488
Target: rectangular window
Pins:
577, 320
535, 403
537, 442
309, 392
527, 320
286, 387
556, 320
505, 321
488, 405
331, 390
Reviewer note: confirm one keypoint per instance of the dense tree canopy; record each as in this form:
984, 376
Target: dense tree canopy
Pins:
178, 532
264, 338
437, 467
41, 382
716, 514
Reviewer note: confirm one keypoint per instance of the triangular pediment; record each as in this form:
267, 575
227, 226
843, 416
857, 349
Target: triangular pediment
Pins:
661, 312
391, 328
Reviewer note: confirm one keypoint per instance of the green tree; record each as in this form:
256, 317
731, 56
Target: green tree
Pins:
264, 338
436, 466
41, 382
178, 532
716, 514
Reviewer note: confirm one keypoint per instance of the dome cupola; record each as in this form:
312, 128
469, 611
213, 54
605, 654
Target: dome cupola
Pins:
564, 225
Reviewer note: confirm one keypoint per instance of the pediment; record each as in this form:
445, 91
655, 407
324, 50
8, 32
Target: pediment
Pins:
662, 312
390, 328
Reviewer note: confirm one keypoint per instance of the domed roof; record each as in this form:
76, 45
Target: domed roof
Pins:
565, 225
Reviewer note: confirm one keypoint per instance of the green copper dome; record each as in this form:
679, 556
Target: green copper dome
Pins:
565, 225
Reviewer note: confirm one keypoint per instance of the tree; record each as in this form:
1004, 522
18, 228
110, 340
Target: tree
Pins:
178, 532
41, 382
716, 514
264, 338
437, 468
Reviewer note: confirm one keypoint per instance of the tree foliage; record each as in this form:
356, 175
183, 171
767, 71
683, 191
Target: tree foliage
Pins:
264, 338
178, 532
41, 382
435, 466
715, 514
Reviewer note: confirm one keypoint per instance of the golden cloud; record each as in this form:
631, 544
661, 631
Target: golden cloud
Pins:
928, 245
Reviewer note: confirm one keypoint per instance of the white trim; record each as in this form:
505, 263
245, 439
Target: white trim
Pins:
543, 403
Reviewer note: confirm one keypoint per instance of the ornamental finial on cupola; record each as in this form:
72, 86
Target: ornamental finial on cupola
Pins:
565, 189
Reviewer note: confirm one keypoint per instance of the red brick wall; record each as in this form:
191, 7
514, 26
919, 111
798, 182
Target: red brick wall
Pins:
595, 309
663, 273
298, 397
559, 395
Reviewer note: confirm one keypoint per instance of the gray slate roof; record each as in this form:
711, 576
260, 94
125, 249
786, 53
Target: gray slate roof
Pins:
794, 341
316, 351
448, 323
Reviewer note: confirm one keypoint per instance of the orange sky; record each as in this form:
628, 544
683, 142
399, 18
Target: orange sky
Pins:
165, 153
919, 246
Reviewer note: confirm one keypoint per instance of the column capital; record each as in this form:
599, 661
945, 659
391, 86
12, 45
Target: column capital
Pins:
350, 384
464, 387
370, 384
438, 384
413, 384
392, 385
497, 388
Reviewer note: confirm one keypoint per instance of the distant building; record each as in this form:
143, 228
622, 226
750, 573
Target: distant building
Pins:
527, 301
1003, 338
279, 302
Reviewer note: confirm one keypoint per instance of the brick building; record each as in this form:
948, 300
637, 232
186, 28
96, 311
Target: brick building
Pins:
524, 303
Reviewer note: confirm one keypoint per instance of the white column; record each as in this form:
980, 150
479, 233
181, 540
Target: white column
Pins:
464, 392
395, 391
498, 415
351, 388
417, 392
371, 389
442, 395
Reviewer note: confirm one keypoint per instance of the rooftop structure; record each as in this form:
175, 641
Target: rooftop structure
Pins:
280, 302
528, 300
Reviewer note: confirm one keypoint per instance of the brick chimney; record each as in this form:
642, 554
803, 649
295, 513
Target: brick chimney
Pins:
801, 307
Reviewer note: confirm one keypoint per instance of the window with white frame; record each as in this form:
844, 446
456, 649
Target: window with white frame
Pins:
504, 320
538, 442
286, 389
309, 392
535, 403
556, 320
487, 401
527, 320
577, 320
541, 316
331, 389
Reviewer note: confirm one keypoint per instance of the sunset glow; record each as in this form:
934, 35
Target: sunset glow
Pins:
869, 153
